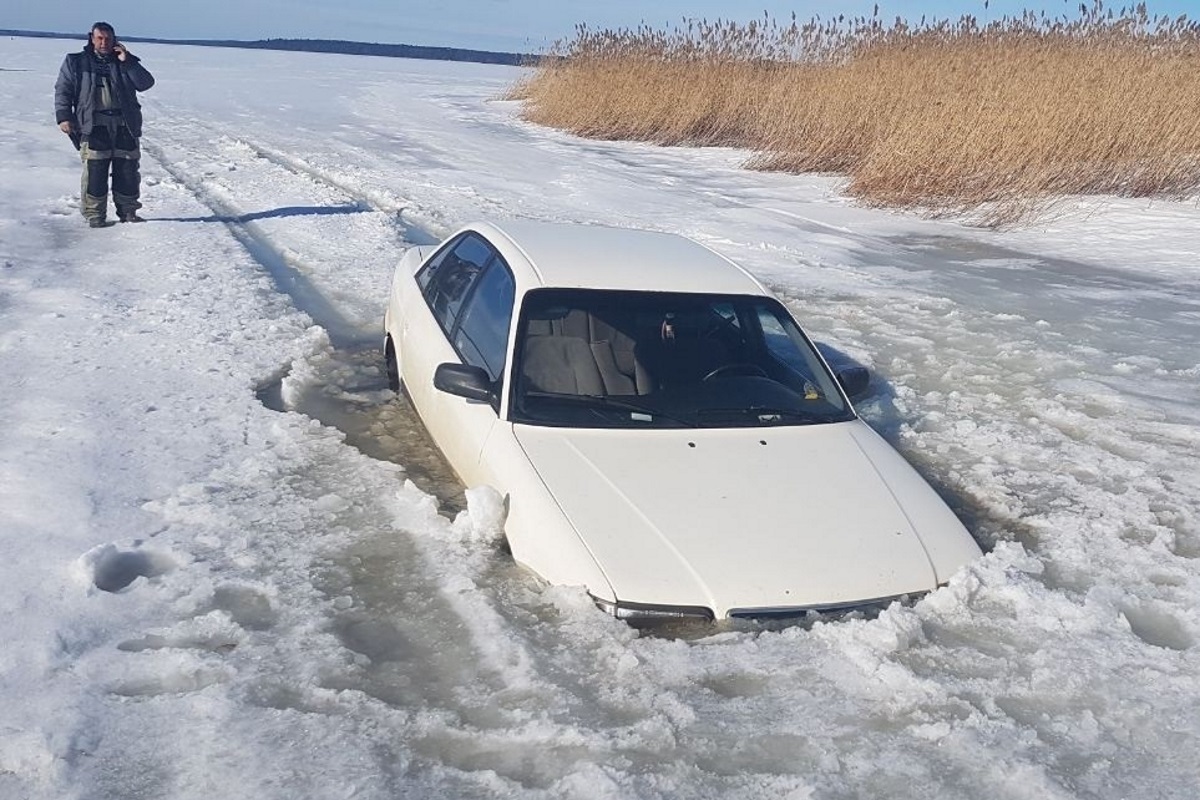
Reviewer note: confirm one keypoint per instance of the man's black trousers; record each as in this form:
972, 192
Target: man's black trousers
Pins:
112, 148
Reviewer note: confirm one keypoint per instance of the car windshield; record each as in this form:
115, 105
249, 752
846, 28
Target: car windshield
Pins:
610, 359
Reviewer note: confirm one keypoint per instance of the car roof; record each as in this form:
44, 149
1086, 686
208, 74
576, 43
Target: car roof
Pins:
564, 254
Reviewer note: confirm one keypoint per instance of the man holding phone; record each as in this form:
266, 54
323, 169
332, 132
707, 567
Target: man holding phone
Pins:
96, 104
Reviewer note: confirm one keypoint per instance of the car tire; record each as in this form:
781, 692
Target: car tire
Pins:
393, 367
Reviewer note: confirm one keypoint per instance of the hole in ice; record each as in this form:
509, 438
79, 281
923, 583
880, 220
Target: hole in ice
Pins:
113, 569
377, 639
247, 607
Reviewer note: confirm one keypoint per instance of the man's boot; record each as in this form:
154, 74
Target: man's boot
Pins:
127, 207
95, 210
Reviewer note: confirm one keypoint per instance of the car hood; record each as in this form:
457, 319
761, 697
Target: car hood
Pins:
749, 519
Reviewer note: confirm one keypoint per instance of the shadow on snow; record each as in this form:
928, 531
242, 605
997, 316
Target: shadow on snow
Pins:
275, 213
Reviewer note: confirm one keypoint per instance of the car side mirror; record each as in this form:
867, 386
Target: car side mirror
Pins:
854, 380
464, 380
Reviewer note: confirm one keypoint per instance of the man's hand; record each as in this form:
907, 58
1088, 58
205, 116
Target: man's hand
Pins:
66, 126
119, 51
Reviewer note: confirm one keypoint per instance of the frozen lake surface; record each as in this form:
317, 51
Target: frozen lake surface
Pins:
233, 565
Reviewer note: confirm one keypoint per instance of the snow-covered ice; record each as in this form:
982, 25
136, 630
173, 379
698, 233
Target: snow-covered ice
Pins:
233, 567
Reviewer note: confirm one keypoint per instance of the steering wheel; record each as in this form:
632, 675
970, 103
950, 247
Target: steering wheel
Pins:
736, 368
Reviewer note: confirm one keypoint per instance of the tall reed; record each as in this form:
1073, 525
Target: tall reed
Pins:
988, 119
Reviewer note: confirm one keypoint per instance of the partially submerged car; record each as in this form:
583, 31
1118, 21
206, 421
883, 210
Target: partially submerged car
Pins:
663, 432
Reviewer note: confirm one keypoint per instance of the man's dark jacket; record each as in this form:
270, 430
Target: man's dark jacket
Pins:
75, 89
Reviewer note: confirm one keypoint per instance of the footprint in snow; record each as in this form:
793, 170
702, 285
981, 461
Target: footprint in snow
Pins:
112, 569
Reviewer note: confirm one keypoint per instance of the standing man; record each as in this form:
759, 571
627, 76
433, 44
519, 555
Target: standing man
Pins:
95, 103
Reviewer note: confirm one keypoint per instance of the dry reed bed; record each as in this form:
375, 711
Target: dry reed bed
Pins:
990, 120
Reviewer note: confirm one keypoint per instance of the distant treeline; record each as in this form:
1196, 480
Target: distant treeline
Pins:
325, 46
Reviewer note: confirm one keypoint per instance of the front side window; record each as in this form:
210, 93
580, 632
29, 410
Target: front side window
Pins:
481, 337
591, 358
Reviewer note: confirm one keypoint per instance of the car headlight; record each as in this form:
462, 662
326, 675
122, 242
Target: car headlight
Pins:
648, 612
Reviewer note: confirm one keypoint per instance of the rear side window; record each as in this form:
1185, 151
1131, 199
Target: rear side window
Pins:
426, 273
447, 280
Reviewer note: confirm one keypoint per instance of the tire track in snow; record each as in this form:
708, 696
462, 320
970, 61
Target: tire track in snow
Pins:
265, 251
290, 270
409, 232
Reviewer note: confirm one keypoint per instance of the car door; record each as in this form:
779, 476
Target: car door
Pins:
469, 292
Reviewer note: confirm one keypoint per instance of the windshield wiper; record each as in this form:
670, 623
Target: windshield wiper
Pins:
766, 415
610, 401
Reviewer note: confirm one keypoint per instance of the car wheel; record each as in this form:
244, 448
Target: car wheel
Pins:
393, 368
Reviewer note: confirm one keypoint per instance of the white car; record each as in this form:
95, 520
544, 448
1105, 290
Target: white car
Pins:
662, 431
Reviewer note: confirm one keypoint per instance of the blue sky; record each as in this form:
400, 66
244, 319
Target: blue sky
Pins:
519, 25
